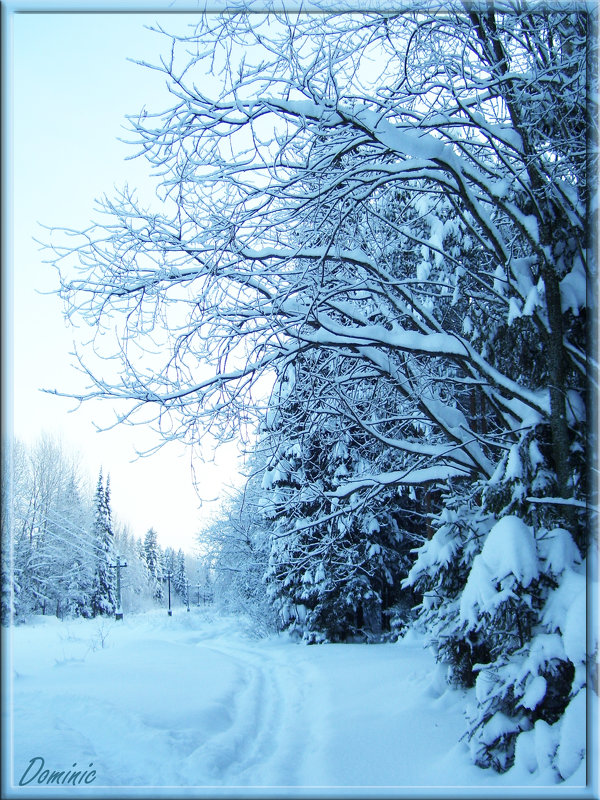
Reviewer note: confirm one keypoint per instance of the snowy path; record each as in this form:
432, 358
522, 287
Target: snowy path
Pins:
190, 701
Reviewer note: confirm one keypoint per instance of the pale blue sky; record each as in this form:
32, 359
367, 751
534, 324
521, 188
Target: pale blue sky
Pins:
71, 88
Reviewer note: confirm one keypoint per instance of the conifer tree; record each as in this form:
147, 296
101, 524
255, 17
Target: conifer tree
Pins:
335, 563
103, 591
169, 561
180, 574
152, 557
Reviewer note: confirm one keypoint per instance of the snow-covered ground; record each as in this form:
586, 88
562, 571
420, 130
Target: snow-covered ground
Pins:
196, 705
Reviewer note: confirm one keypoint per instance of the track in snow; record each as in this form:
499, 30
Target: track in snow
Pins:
193, 701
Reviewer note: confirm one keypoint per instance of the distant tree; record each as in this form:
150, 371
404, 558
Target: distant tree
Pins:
151, 552
52, 544
38, 474
103, 583
6, 482
169, 560
236, 557
153, 559
180, 575
140, 549
135, 587
76, 551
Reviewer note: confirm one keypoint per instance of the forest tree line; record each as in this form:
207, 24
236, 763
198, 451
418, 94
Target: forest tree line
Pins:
63, 541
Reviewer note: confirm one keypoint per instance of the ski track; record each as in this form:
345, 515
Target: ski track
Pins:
276, 718
193, 701
248, 730
263, 745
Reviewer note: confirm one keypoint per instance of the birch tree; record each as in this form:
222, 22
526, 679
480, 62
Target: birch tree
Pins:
52, 548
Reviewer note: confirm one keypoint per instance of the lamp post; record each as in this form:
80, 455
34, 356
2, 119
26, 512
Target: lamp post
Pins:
169, 580
118, 566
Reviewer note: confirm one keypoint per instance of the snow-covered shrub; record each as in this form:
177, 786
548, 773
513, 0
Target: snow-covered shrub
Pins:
504, 607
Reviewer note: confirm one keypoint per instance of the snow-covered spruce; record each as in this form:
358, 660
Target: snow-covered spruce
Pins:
335, 565
505, 609
103, 597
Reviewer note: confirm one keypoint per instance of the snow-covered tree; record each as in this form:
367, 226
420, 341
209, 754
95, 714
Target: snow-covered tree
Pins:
180, 574
423, 225
6, 529
236, 556
136, 594
153, 559
76, 551
103, 599
335, 564
38, 475
168, 563
52, 545
151, 552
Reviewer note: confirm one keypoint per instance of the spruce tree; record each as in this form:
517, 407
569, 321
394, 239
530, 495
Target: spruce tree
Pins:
335, 562
180, 575
103, 591
152, 557
169, 561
